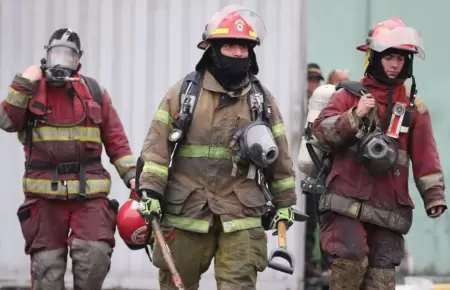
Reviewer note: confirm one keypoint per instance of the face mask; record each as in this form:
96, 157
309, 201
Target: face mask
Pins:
233, 71
228, 71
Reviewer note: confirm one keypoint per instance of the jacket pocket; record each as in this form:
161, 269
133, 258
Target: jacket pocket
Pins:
333, 174
176, 195
251, 198
94, 112
258, 248
29, 218
401, 187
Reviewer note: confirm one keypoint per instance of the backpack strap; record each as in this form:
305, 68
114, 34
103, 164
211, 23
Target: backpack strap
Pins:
192, 85
189, 94
258, 97
95, 89
354, 87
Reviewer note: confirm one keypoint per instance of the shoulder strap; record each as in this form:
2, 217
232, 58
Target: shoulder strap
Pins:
95, 89
257, 88
189, 93
192, 85
353, 87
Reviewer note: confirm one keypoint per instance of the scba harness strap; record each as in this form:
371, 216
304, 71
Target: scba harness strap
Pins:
189, 94
71, 167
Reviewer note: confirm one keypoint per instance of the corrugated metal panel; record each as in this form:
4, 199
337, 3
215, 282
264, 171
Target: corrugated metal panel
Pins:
137, 49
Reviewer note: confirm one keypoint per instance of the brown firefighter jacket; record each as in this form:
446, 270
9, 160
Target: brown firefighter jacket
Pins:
383, 200
201, 184
66, 147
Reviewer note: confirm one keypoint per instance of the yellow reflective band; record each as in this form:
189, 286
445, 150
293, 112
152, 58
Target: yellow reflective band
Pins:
44, 186
278, 130
220, 31
124, 163
282, 184
252, 33
204, 151
427, 182
202, 226
83, 134
17, 99
159, 170
163, 116
185, 223
241, 224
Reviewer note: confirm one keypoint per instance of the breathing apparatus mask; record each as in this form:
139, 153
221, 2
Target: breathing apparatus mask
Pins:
378, 152
61, 61
254, 143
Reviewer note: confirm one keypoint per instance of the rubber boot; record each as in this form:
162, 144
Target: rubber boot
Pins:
347, 274
378, 278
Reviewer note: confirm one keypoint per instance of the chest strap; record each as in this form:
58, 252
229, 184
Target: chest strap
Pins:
65, 168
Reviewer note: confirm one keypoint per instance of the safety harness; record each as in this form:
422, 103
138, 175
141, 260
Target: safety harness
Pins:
260, 110
66, 167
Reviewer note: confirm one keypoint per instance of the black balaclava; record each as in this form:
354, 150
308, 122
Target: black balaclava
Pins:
376, 70
229, 71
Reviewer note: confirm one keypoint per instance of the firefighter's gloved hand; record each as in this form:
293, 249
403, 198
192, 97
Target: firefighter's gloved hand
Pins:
149, 207
284, 214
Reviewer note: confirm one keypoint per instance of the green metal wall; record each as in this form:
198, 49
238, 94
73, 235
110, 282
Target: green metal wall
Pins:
335, 28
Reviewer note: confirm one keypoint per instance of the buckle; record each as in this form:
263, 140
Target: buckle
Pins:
69, 167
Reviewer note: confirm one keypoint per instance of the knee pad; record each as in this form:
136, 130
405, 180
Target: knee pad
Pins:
347, 274
91, 263
48, 269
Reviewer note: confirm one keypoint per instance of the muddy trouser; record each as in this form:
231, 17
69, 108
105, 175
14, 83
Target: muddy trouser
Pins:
364, 255
311, 225
238, 256
46, 225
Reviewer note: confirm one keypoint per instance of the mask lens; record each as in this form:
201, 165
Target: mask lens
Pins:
62, 56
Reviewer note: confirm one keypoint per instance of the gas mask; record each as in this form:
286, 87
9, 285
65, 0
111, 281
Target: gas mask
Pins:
62, 60
378, 152
256, 145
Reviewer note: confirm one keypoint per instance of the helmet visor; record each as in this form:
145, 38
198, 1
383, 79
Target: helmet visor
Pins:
402, 37
239, 17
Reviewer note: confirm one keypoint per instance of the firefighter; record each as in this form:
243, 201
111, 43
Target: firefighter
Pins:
366, 208
62, 126
212, 204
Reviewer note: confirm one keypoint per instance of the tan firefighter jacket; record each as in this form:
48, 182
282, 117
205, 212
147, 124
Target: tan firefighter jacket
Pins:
201, 183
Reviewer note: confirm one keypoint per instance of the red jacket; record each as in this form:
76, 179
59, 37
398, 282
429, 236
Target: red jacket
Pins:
66, 161
384, 199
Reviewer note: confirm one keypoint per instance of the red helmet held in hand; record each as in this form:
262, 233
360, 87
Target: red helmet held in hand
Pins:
132, 227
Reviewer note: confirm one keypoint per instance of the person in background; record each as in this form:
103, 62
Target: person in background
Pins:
337, 76
314, 78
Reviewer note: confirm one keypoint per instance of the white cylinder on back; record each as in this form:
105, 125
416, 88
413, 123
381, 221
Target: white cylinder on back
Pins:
317, 102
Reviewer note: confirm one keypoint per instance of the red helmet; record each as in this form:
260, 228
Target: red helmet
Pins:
132, 227
236, 22
393, 33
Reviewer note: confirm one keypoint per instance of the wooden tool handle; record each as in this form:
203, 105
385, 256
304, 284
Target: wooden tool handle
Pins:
163, 246
281, 227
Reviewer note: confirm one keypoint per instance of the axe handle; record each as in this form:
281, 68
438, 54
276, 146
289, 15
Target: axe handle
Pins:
281, 227
176, 278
